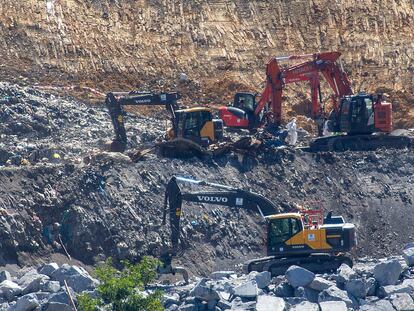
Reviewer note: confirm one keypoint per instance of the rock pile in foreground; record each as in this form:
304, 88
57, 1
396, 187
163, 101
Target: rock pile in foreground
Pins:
44, 288
371, 285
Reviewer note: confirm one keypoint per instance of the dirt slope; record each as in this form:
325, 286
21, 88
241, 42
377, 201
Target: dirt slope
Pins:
222, 46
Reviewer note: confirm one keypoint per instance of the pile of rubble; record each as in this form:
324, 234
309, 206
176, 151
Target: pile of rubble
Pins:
372, 284
386, 284
49, 288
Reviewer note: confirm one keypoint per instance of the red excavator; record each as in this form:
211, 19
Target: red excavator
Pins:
248, 112
358, 116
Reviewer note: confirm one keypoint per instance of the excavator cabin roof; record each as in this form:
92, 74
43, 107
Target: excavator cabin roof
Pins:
194, 109
284, 215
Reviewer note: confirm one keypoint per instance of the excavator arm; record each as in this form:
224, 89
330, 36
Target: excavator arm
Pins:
116, 100
277, 78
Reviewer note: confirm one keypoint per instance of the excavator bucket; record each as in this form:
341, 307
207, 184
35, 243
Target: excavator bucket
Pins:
181, 148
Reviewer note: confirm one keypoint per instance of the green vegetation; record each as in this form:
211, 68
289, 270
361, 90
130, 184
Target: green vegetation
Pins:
122, 290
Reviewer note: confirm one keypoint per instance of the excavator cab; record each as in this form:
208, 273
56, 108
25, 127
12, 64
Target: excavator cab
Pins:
198, 125
241, 112
305, 233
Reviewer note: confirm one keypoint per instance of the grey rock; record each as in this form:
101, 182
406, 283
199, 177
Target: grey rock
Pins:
37, 283
169, 300
402, 302
409, 282
248, 290
305, 306
4, 306
345, 273
311, 294
31, 276
320, 284
284, 289
333, 293
62, 297
408, 245
50, 286
262, 278
356, 288
203, 292
380, 305
388, 272
239, 304
224, 305
49, 268
26, 303
298, 276
270, 303
299, 292
221, 274
9, 290
408, 255
333, 306
5, 275
385, 291
371, 286
57, 306
76, 277
188, 307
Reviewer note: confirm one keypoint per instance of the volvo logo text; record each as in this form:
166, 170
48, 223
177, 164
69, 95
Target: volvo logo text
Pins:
205, 198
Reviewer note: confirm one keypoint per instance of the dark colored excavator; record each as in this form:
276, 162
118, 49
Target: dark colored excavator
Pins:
302, 238
193, 126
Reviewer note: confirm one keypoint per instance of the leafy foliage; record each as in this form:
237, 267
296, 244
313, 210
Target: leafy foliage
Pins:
122, 290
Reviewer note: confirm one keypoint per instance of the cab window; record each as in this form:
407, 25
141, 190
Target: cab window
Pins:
283, 229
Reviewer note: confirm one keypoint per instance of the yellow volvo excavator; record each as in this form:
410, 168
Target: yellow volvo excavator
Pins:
191, 128
305, 238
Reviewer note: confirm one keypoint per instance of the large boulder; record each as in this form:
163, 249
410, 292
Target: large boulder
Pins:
49, 268
402, 302
76, 277
270, 303
356, 288
262, 278
31, 276
9, 290
284, 289
345, 273
333, 293
408, 255
385, 291
26, 303
320, 284
298, 276
37, 283
248, 289
387, 272
333, 306
380, 305
305, 306
204, 292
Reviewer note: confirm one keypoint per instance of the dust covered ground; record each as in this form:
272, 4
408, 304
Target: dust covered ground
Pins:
55, 181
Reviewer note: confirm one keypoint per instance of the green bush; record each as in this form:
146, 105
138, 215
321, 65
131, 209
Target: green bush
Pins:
122, 290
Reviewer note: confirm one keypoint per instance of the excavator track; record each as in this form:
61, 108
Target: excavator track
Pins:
317, 263
180, 148
360, 142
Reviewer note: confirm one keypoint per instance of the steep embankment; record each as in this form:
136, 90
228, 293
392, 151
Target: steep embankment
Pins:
110, 206
222, 46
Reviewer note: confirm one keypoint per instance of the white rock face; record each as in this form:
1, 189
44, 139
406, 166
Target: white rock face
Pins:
269, 303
